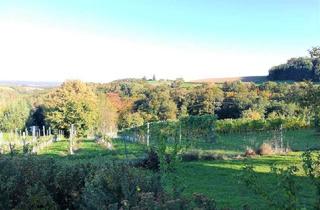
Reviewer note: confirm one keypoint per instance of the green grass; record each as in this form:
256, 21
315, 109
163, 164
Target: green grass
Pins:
90, 151
297, 140
217, 179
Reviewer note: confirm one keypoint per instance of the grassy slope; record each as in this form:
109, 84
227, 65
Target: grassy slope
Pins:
217, 179
90, 151
297, 140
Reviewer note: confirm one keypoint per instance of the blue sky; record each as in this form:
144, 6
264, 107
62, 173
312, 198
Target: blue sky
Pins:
275, 29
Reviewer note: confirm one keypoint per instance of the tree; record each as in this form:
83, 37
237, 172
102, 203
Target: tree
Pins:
314, 52
107, 116
299, 69
14, 116
128, 119
73, 103
37, 117
296, 69
204, 100
157, 103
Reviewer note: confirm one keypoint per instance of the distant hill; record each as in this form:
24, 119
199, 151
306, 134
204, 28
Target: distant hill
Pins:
29, 84
255, 79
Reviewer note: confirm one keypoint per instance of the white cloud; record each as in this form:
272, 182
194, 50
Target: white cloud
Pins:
37, 52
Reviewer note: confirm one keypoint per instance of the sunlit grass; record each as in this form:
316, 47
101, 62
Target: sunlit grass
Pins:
217, 179
89, 150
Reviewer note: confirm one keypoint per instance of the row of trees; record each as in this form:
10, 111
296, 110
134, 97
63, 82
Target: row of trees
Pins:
105, 108
299, 69
138, 102
73, 103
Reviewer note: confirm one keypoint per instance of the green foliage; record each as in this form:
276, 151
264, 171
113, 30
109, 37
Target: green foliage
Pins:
27, 148
311, 166
128, 120
120, 185
248, 125
14, 116
158, 103
41, 183
73, 103
296, 69
152, 161
107, 120
284, 195
204, 100
314, 52
191, 128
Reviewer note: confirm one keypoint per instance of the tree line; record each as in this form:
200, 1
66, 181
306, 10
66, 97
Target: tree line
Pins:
104, 108
299, 69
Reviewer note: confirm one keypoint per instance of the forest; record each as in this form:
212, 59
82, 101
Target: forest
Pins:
298, 69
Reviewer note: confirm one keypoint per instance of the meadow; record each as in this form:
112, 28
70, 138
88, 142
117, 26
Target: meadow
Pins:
217, 179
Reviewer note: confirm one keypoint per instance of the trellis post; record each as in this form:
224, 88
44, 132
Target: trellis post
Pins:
44, 130
281, 137
148, 134
71, 139
180, 134
33, 133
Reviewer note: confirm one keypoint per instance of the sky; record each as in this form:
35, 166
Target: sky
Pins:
104, 40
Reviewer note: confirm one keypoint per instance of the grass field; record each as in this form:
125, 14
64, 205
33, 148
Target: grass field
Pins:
217, 179
296, 140
90, 151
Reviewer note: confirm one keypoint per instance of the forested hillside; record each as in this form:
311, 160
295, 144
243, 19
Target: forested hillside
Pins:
299, 69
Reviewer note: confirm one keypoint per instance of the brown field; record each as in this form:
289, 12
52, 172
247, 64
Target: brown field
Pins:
232, 79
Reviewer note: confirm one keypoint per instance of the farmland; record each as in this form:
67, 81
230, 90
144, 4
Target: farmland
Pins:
217, 179
135, 144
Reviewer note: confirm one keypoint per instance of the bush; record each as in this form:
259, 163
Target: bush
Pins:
118, 185
31, 182
212, 156
190, 156
249, 125
195, 155
265, 149
151, 162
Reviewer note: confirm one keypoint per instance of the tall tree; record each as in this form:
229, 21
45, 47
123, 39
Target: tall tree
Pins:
314, 52
73, 103
14, 116
107, 116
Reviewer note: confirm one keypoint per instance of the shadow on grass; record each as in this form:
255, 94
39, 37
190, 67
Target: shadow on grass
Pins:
90, 151
222, 184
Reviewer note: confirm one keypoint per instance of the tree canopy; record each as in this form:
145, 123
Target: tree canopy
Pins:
72, 103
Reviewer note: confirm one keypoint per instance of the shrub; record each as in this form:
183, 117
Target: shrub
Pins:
151, 162
265, 149
285, 190
190, 156
195, 155
119, 184
212, 156
31, 182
